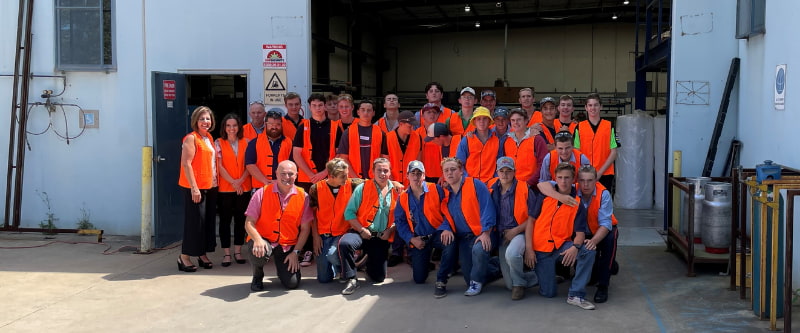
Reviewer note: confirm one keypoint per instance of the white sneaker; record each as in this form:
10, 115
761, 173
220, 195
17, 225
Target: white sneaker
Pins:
306, 260
474, 288
580, 302
351, 287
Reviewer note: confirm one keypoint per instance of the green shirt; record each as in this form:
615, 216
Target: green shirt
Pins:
381, 217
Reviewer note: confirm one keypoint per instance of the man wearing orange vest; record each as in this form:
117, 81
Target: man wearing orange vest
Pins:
257, 112
512, 199
596, 138
291, 121
602, 226
562, 153
430, 151
418, 217
370, 213
488, 100
278, 222
389, 121
315, 143
526, 100
363, 143
328, 198
525, 146
558, 233
564, 121
549, 114
459, 122
267, 150
433, 94
480, 151
470, 218
404, 144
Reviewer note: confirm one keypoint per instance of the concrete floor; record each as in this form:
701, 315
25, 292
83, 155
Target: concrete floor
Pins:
76, 288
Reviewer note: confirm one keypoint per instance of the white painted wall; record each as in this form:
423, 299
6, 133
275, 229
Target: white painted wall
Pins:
703, 45
102, 168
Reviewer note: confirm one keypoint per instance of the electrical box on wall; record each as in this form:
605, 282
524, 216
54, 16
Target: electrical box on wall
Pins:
90, 119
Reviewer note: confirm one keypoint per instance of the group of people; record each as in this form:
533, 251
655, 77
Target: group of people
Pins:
521, 193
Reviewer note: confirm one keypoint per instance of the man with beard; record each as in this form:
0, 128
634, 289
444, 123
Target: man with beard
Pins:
267, 150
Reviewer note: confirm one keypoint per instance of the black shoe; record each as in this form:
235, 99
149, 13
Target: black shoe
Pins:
226, 263
394, 261
601, 295
204, 264
440, 289
184, 268
614, 268
239, 261
257, 284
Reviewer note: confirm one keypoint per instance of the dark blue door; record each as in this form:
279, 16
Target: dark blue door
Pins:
170, 125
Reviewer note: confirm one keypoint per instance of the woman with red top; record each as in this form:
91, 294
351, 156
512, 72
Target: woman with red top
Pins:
198, 177
234, 187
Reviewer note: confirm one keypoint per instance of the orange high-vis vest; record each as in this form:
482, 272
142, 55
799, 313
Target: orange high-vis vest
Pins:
520, 199
354, 155
554, 226
535, 119
383, 126
233, 164
469, 207
596, 146
280, 224
547, 135
555, 160
265, 159
330, 209
523, 156
443, 116
249, 132
399, 159
482, 159
594, 209
457, 126
307, 148
431, 207
289, 130
202, 164
370, 202
572, 125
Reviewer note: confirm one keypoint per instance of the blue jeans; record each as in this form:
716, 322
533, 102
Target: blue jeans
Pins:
606, 253
421, 258
546, 271
512, 263
328, 260
473, 258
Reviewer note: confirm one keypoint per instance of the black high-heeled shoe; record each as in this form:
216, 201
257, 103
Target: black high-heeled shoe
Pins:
239, 261
226, 263
206, 265
184, 268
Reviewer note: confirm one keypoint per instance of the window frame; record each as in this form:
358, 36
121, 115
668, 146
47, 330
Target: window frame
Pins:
747, 24
59, 66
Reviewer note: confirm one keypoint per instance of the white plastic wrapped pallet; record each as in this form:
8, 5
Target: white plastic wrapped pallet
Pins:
634, 165
659, 159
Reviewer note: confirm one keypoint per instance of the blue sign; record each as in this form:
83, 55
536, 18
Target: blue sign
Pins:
780, 81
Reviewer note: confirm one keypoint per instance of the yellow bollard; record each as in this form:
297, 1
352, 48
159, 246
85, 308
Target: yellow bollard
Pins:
147, 199
676, 195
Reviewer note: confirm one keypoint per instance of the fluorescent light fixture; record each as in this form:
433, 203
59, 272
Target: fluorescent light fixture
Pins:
614, 17
467, 8
477, 24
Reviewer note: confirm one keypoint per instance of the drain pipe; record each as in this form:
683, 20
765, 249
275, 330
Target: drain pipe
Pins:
145, 236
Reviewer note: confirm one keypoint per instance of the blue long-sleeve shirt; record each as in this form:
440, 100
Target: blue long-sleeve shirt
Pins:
423, 226
605, 210
454, 204
504, 204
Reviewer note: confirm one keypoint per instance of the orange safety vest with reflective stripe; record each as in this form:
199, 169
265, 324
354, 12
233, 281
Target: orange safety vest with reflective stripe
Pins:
430, 207
572, 125
265, 159
555, 160
383, 126
249, 132
370, 204
330, 209
280, 224
288, 127
456, 126
307, 147
469, 207
400, 159
535, 119
596, 146
547, 135
554, 226
520, 199
523, 156
594, 209
482, 159
431, 156
201, 163
233, 164
354, 155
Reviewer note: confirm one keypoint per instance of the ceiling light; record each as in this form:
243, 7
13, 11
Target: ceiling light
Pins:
466, 8
614, 17
626, 2
478, 24
498, 4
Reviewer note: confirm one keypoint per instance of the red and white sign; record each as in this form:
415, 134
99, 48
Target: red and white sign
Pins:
274, 55
169, 89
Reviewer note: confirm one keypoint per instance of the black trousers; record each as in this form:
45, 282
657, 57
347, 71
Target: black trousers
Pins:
232, 206
199, 224
376, 249
288, 279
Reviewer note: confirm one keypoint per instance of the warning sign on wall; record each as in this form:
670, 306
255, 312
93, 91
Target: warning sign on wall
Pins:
274, 55
169, 89
274, 86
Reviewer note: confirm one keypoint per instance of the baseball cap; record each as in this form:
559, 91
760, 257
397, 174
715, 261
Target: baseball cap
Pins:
467, 90
505, 162
548, 100
416, 165
501, 111
488, 92
430, 106
481, 112
408, 117
435, 130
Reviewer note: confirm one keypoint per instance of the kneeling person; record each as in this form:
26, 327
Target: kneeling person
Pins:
278, 222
